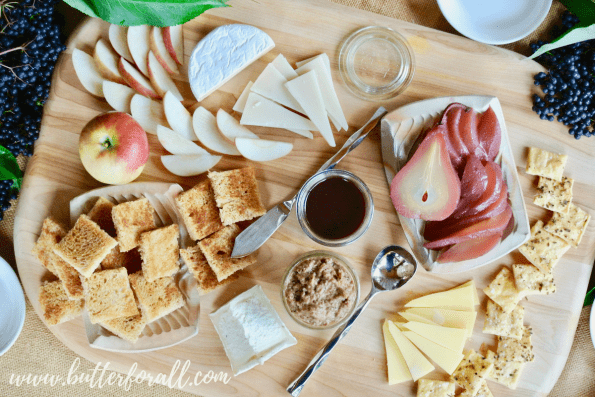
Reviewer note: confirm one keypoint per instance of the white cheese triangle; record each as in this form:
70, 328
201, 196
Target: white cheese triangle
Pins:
446, 317
306, 91
455, 299
263, 112
445, 358
416, 362
397, 367
451, 338
241, 102
281, 64
304, 133
305, 61
271, 84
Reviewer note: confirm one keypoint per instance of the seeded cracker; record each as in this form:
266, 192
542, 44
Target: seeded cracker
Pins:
435, 388
56, 306
503, 291
553, 195
199, 210
108, 295
483, 391
543, 163
131, 219
206, 279
543, 249
472, 370
530, 281
510, 349
504, 324
51, 234
507, 373
570, 226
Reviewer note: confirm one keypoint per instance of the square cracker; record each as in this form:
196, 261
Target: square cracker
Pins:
472, 370
70, 277
543, 249
543, 163
504, 324
131, 219
158, 298
483, 391
435, 388
108, 295
571, 226
56, 306
206, 279
85, 246
553, 195
127, 328
160, 252
51, 234
236, 194
507, 373
101, 213
503, 291
531, 281
199, 210
218, 247
510, 349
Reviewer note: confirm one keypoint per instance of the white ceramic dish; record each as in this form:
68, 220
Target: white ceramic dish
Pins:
401, 128
12, 307
176, 327
495, 22
592, 323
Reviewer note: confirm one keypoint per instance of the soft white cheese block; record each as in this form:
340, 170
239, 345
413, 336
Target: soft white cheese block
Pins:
251, 330
222, 54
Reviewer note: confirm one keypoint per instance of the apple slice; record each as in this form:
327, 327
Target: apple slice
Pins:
469, 249
136, 80
158, 47
262, 149
173, 38
178, 117
160, 79
176, 143
231, 128
118, 96
139, 38
189, 164
427, 187
87, 72
118, 39
205, 128
107, 62
148, 113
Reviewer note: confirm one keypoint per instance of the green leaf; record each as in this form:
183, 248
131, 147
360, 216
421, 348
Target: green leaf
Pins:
589, 298
145, 12
583, 9
9, 168
577, 34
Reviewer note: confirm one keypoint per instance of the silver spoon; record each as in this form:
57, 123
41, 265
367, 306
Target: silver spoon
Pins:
392, 268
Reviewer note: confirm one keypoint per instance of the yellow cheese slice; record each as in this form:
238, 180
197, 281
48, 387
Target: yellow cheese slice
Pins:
472, 283
397, 367
445, 317
456, 299
451, 338
416, 362
415, 317
445, 358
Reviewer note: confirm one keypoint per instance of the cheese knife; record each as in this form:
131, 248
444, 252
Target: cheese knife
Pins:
260, 231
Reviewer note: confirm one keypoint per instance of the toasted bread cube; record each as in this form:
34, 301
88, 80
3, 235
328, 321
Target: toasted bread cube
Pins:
101, 213
158, 298
85, 246
206, 279
108, 295
131, 219
127, 328
56, 306
160, 252
114, 259
51, 234
199, 210
70, 277
236, 194
218, 247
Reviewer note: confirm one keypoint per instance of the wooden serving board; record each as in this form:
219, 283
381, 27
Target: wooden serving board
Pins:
446, 65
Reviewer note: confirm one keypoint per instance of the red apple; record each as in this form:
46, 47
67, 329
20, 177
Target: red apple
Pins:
114, 148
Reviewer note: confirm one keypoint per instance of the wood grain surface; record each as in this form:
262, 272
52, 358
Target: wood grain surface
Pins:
446, 65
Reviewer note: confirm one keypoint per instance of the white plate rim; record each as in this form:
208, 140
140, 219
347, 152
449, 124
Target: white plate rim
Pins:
592, 323
10, 277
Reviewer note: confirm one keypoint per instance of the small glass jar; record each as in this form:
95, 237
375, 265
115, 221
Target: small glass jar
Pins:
320, 254
376, 63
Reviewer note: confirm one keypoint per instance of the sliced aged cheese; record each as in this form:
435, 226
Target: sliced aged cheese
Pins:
447, 359
451, 338
414, 317
304, 133
472, 283
263, 112
456, 299
416, 362
222, 54
299, 64
271, 84
280, 63
446, 317
397, 367
321, 65
306, 91
241, 102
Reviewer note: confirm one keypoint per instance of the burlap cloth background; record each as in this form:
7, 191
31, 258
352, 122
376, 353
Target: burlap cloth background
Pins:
37, 351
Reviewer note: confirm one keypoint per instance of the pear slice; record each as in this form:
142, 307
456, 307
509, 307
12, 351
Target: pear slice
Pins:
262, 149
118, 96
427, 187
139, 39
173, 38
118, 39
189, 164
107, 62
147, 112
205, 128
87, 72
178, 117
160, 79
157, 45
176, 143
231, 128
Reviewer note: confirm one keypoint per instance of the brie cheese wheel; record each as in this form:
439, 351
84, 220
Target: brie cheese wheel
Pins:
222, 54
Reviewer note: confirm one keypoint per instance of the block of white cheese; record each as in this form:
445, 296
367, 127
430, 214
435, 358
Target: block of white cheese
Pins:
271, 84
263, 112
251, 330
222, 54
281, 64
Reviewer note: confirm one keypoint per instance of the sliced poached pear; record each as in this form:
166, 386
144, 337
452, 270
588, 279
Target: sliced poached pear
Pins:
427, 187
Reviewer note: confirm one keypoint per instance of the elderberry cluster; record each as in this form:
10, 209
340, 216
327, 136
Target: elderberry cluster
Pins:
569, 84
30, 42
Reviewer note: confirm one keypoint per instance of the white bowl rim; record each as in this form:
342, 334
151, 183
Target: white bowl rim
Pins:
592, 323
12, 280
